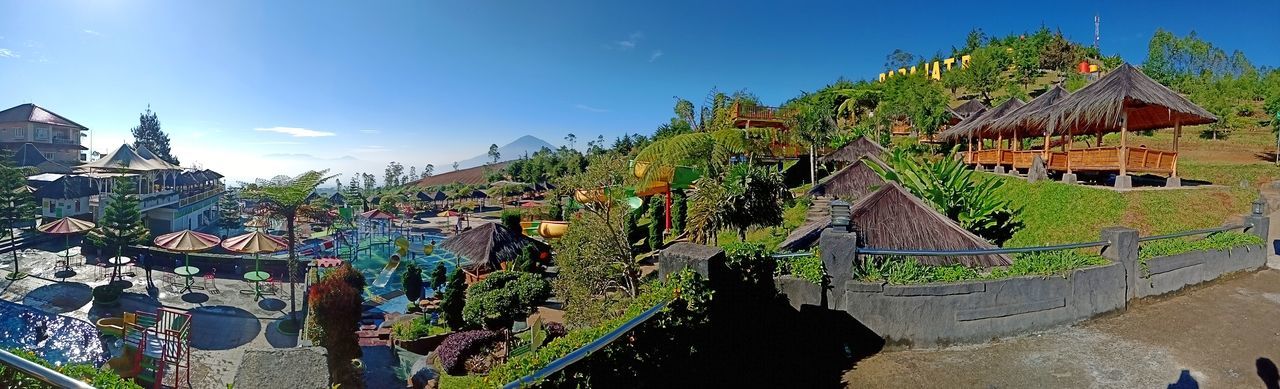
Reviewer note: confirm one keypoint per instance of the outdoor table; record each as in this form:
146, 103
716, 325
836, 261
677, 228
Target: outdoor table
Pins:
116, 262
187, 272
256, 277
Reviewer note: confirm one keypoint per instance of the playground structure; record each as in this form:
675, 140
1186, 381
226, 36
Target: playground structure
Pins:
662, 180
156, 346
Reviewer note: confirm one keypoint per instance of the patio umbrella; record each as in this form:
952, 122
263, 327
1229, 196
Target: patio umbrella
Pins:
187, 241
65, 227
254, 243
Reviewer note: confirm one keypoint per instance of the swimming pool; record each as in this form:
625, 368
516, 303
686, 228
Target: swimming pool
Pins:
375, 251
57, 339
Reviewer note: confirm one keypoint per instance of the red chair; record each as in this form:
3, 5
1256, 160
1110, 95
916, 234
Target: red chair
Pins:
210, 281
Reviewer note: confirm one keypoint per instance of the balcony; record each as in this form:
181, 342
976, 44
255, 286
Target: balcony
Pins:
198, 196
151, 201
758, 116
65, 141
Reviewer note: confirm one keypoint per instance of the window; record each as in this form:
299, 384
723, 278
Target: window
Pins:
77, 206
20, 133
50, 205
42, 133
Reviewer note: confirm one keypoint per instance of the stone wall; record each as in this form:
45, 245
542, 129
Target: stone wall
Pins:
976, 311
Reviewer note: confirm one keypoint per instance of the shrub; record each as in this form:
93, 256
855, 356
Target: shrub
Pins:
335, 317
455, 295
1217, 241
511, 219
809, 268
107, 294
411, 281
419, 327
908, 270
458, 347
554, 331
679, 211
349, 275
504, 297
439, 276
1047, 263
100, 378
657, 222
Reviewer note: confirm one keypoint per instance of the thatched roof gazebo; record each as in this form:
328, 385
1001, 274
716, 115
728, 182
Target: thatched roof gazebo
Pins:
976, 128
1122, 101
485, 248
854, 151
1015, 126
853, 181
891, 218
969, 108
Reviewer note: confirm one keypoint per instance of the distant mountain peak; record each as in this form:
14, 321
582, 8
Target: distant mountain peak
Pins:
524, 145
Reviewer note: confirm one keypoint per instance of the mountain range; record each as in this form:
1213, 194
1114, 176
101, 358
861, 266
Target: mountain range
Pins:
518, 148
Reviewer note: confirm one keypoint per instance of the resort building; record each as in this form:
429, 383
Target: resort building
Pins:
171, 197
56, 137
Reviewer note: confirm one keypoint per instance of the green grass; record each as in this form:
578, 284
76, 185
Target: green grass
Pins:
461, 382
1221, 241
897, 270
792, 217
1234, 175
1057, 213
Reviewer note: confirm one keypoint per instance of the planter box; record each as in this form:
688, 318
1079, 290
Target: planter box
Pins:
422, 346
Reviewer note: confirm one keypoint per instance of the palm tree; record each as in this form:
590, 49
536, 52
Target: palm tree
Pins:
287, 198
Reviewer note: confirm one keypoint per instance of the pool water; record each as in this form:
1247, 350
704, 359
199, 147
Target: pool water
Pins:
57, 339
373, 254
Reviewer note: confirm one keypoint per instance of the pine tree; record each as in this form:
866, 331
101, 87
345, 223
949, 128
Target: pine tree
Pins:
228, 213
439, 276
411, 280
148, 134
455, 298
657, 222
121, 224
679, 211
19, 206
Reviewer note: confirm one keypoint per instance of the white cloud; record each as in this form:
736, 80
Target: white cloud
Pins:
297, 132
655, 55
627, 44
589, 108
91, 32
370, 131
281, 143
6, 53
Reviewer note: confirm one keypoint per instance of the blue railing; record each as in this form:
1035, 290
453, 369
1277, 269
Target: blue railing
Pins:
584, 351
40, 373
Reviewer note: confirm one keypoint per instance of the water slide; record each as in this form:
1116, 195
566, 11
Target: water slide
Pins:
402, 250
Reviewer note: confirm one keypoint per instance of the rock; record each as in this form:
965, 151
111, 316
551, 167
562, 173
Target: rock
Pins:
424, 376
1037, 171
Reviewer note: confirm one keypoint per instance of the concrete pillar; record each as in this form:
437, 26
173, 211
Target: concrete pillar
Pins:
1069, 178
1123, 249
1260, 223
839, 251
999, 169
684, 255
1173, 182
1124, 181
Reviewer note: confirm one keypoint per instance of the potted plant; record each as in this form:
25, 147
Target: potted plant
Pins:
107, 295
420, 335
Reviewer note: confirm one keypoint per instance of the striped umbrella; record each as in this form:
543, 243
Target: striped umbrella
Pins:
65, 227
254, 243
187, 241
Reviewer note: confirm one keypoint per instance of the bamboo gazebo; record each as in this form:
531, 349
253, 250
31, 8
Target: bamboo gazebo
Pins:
1013, 126
1122, 101
974, 130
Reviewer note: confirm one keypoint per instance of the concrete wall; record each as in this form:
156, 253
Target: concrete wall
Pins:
968, 312
1174, 272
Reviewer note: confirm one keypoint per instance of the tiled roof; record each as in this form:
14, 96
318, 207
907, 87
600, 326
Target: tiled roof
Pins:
32, 113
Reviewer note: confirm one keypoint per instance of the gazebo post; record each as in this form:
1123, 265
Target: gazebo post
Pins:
1123, 180
1173, 180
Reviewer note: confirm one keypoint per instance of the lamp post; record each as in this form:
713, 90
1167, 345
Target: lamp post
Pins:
841, 215
1259, 206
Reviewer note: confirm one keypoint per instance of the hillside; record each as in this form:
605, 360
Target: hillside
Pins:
518, 148
469, 176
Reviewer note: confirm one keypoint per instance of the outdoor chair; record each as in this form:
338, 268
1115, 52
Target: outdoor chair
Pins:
104, 269
171, 282
210, 281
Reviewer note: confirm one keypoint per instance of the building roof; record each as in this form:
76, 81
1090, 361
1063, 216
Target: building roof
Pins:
1124, 93
32, 113
969, 108
977, 124
485, 247
29, 156
891, 218
146, 154
67, 187
471, 176
854, 151
125, 158
1016, 123
852, 182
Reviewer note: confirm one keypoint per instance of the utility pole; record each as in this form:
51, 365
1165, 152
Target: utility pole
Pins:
1097, 29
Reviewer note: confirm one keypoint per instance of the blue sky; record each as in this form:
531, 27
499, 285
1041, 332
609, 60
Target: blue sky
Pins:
255, 88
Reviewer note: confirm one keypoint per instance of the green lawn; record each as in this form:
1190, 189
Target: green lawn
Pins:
1061, 213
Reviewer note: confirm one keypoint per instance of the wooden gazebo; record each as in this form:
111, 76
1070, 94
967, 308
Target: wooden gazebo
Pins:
974, 130
1013, 126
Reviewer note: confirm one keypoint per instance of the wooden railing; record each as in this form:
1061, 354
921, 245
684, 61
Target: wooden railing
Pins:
757, 112
986, 157
1151, 160
1095, 159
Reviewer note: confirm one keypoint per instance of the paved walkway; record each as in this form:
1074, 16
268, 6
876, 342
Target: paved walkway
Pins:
225, 324
1225, 334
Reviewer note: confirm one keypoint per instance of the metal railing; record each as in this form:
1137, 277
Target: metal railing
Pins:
40, 373
1195, 232
584, 351
996, 251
